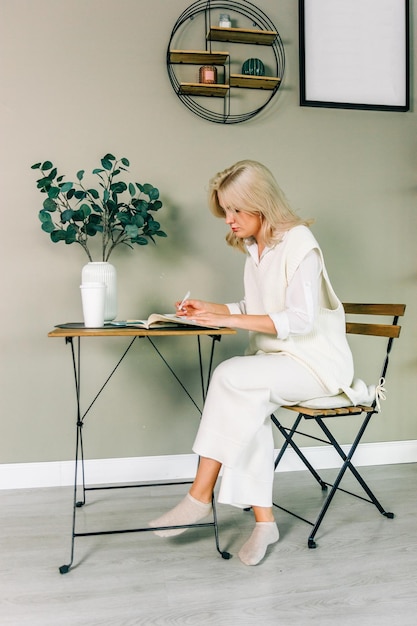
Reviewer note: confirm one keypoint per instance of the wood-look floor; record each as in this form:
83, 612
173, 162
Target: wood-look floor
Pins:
363, 572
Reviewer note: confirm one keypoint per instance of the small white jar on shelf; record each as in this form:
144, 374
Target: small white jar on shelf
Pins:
225, 21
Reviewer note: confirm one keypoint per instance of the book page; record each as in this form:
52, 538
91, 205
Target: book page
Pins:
157, 320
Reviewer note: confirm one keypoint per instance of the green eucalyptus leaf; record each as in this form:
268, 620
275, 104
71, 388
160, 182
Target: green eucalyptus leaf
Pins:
44, 216
46, 165
131, 231
97, 170
118, 187
49, 205
112, 206
48, 227
66, 187
93, 225
80, 174
80, 194
109, 157
43, 183
97, 208
94, 193
84, 211
150, 191
125, 161
132, 189
71, 234
92, 229
153, 193
35, 166
79, 215
142, 207
67, 215
58, 235
123, 217
141, 241
94, 219
161, 233
70, 194
155, 206
106, 164
153, 227
138, 220
106, 196
53, 192
147, 188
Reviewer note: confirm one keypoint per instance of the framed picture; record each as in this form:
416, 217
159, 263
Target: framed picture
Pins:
355, 54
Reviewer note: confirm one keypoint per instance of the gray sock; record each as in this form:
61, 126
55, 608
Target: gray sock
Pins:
253, 551
188, 511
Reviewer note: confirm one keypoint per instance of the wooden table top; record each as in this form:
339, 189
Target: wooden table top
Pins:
78, 330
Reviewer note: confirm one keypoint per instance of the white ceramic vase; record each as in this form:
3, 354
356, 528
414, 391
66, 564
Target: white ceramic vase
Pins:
103, 272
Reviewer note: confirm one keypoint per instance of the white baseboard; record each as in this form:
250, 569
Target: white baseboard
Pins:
183, 466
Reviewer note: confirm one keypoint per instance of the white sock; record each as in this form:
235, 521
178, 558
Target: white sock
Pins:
253, 551
188, 511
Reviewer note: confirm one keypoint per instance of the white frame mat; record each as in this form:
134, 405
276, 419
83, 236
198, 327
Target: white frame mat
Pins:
355, 54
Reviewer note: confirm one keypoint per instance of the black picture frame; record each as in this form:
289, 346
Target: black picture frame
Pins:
355, 54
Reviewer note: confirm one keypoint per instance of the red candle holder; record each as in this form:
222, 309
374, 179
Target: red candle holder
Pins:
208, 74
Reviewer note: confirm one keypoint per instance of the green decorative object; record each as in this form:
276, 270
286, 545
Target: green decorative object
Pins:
120, 212
253, 67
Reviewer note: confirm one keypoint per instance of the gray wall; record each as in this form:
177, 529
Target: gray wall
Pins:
80, 78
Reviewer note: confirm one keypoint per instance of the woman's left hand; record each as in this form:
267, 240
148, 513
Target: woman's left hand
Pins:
213, 319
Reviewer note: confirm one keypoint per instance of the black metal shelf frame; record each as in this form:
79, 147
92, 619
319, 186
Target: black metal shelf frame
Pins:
259, 20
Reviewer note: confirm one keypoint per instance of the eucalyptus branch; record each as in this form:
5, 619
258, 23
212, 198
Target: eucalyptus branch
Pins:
117, 211
117, 241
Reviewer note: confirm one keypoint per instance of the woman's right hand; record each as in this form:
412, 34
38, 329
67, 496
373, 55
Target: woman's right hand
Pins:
192, 308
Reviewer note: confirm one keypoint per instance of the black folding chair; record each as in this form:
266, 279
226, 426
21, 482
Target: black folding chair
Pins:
322, 416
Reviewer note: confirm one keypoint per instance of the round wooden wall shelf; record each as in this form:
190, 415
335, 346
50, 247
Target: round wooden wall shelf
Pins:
197, 40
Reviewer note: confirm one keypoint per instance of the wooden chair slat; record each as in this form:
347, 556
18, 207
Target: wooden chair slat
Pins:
356, 308
348, 410
377, 330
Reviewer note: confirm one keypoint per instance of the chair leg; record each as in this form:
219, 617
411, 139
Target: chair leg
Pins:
223, 553
288, 436
346, 465
348, 460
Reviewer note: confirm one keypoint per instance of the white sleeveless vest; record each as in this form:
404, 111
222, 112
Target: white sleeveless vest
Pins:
324, 351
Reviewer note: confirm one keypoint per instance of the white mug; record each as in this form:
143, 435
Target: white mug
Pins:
93, 298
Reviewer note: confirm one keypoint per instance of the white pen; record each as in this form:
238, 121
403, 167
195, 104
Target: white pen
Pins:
185, 298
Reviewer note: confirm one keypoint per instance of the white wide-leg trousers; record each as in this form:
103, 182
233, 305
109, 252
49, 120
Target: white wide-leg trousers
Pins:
236, 429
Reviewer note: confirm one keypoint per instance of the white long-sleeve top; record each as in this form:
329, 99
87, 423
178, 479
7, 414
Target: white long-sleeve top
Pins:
301, 300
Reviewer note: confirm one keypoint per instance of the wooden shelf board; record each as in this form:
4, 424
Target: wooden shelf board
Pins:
242, 35
254, 82
198, 57
200, 89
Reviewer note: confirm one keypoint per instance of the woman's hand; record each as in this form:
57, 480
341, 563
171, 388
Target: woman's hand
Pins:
194, 308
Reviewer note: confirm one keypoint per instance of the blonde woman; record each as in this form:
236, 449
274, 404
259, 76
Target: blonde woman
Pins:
297, 351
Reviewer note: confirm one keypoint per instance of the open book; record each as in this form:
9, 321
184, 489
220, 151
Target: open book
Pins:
159, 320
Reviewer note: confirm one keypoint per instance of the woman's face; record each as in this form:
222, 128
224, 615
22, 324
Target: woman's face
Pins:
244, 225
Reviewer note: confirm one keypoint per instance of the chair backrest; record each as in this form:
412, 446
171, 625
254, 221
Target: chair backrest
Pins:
391, 331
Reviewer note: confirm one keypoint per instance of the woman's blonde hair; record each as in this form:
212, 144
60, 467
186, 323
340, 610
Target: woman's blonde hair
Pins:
250, 187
